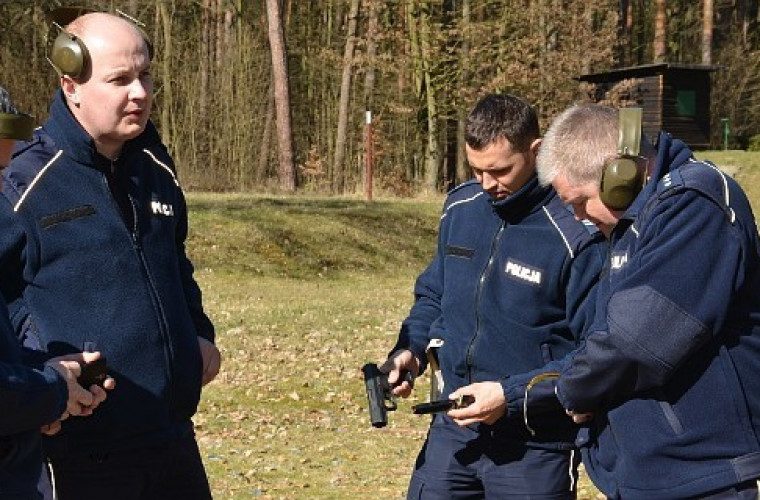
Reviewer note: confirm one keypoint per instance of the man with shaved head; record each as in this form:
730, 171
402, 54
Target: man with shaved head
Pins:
95, 259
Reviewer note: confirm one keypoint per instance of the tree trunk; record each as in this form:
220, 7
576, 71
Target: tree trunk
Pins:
623, 34
749, 24
286, 168
433, 151
339, 169
589, 20
168, 94
707, 31
206, 40
369, 76
219, 32
660, 35
414, 48
462, 170
266, 136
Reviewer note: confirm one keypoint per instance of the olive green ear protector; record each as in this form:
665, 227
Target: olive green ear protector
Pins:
622, 179
16, 126
69, 55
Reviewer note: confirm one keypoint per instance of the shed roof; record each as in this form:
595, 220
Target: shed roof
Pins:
642, 71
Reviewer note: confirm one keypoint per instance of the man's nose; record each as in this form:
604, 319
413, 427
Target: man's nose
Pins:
488, 181
579, 212
140, 89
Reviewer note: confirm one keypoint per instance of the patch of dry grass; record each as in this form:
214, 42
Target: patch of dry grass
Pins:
287, 416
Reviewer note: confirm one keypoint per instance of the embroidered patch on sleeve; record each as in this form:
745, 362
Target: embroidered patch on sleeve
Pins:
455, 251
66, 216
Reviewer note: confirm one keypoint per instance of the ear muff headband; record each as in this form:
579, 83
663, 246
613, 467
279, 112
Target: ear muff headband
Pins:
69, 55
622, 179
141, 28
16, 126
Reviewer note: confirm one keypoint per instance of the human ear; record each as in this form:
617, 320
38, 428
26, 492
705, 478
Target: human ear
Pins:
70, 89
535, 146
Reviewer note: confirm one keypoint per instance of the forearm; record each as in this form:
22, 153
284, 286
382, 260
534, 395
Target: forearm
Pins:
648, 338
533, 392
30, 398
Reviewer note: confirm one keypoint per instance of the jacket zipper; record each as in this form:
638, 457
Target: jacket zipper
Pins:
134, 236
481, 281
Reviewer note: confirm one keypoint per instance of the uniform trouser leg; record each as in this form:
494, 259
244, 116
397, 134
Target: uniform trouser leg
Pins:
461, 464
747, 490
13, 488
171, 470
22, 475
184, 475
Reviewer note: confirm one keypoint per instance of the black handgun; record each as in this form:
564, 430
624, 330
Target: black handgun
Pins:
94, 372
379, 395
442, 405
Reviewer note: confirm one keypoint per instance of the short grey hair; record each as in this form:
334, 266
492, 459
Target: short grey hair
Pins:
6, 105
577, 144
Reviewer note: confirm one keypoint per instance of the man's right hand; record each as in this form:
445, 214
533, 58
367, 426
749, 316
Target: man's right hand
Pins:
393, 366
81, 401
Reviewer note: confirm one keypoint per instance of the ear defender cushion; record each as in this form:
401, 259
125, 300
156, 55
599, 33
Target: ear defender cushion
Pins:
69, 55
621, 178
16, 126
621, 182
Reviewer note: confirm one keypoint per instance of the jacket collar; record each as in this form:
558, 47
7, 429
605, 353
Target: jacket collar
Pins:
78, 145
526, 200
671, 154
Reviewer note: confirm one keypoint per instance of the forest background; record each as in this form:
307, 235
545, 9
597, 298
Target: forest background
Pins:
272, 95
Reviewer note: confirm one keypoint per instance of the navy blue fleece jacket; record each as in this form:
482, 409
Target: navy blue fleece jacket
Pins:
506, 292
81, 275
670, 365
30, 398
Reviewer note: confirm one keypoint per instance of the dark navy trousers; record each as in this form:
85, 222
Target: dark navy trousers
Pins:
458, 463
743, 491
161, 472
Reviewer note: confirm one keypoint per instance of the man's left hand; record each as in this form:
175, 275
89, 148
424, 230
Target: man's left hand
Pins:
579, 418
212, 360
489, 406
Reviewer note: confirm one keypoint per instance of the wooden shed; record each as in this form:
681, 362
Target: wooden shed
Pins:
674, 97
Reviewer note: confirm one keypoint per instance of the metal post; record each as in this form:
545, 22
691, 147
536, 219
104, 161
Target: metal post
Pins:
368, 154
724, 122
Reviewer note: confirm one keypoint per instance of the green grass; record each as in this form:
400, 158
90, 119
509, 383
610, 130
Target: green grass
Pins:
744, 165
303, 291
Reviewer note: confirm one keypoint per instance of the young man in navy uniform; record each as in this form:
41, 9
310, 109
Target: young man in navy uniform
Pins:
503, 296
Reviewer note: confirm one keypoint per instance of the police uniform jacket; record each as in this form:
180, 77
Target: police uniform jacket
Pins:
671, 363
30, 398
505, 293
81, 275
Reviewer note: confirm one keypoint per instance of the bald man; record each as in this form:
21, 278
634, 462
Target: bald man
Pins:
95, 259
